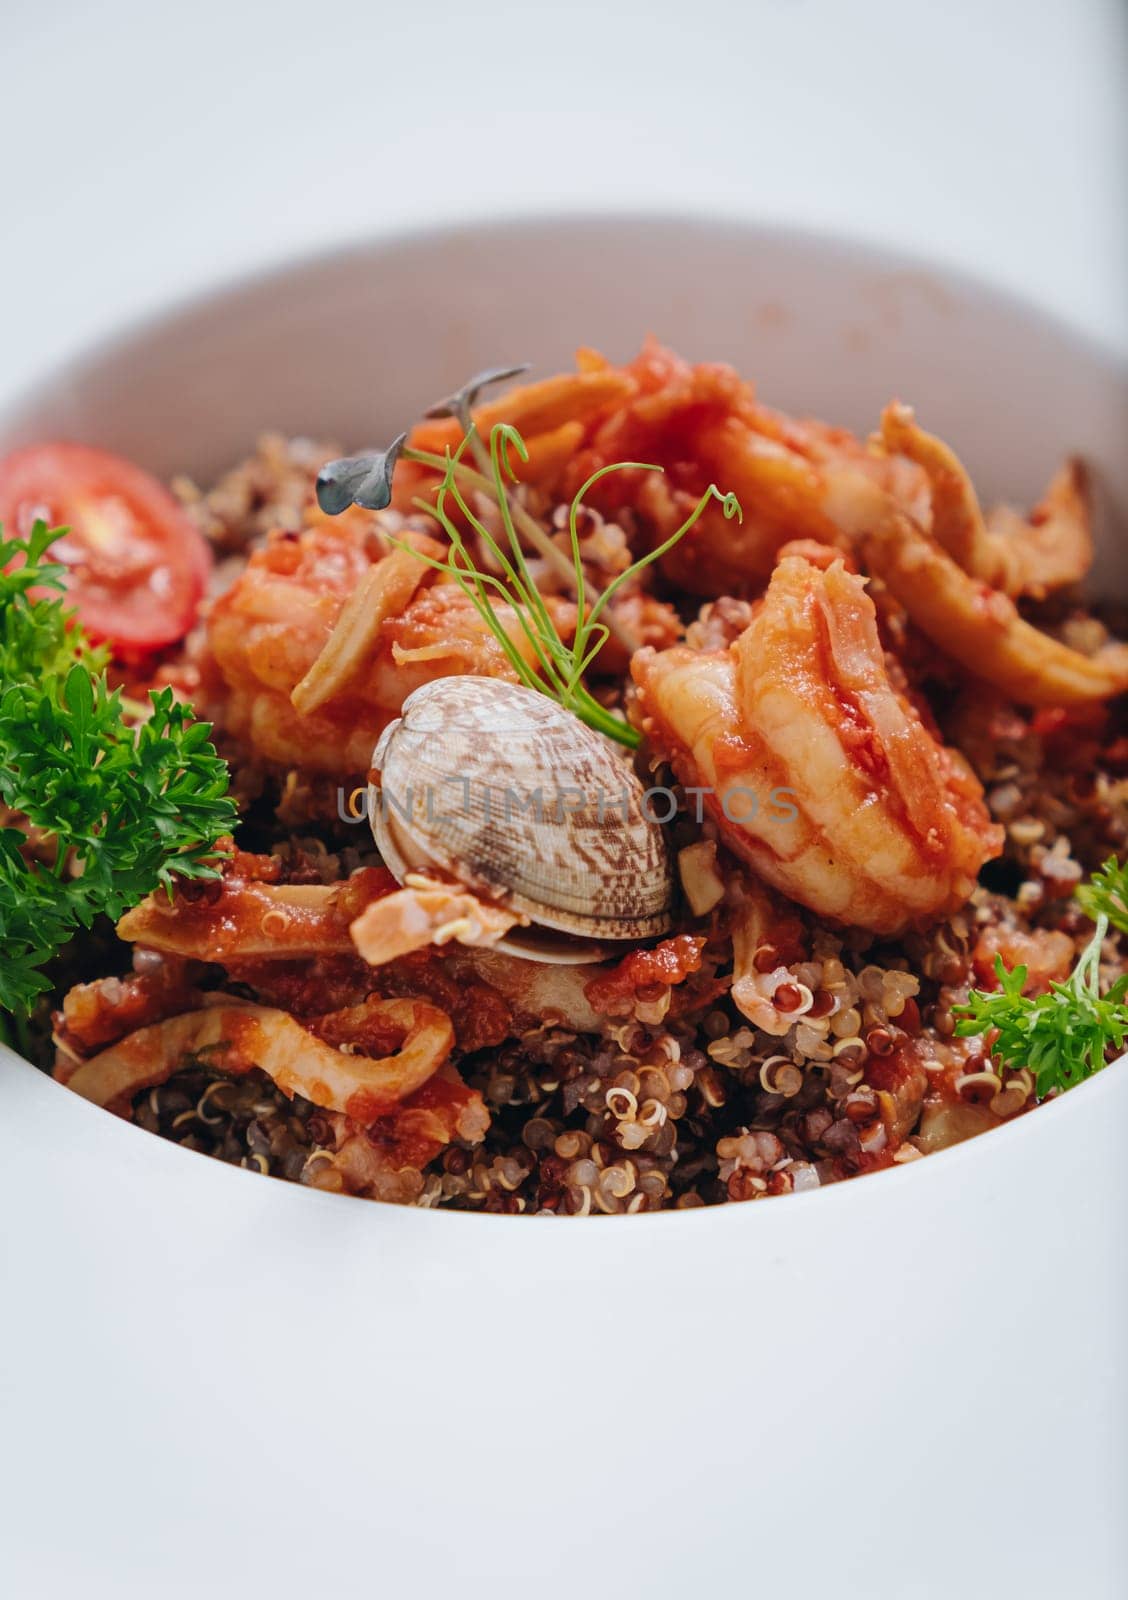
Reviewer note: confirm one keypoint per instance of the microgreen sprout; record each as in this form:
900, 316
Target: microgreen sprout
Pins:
556, 668
460, 403
363, 480
373, 471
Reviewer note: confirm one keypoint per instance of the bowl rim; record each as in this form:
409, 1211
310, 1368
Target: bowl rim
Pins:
229, 288
1070, 1103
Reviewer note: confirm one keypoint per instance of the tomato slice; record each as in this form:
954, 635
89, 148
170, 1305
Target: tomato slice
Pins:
137, 564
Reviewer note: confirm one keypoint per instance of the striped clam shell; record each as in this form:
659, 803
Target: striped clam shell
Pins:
513, 796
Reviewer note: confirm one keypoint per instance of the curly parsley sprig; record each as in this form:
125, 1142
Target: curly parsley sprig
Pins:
107, 811
1062, 1037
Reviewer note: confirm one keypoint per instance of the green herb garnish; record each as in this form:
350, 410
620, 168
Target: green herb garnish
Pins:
1061, 1037
109, 811
560, 667
359, 480
1106, 894
459, 403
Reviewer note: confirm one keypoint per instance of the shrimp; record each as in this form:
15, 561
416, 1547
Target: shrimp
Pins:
267, 632
816, 772
1020, 557
235, 1038
704, 425
975, 625
325, 634
442, 633
700, 423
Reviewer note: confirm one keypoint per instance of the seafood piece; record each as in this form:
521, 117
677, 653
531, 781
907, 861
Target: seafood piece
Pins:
268, 630
647, 621
977, 626
384, 591
703, 424
643, 983
541, 993
508, 794
549, 454
245, 920
1056, 540
426, 913
944, 1124
699, 422
442, 634
386, 1162
324, 635
234, 1038
901, 1080
764, 940
700, 875
535, 409
778, 489
95, 1014
815, 770
1020, 557
1048, 954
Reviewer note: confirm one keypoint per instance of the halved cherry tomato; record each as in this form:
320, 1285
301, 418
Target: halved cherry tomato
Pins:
137, 564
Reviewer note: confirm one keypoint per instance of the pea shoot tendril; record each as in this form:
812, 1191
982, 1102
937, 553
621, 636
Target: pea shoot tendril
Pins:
557, 667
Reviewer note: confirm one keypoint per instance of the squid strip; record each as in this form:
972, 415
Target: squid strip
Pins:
236, 1038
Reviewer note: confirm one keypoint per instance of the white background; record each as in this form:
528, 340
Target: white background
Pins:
148, 149
240, 1387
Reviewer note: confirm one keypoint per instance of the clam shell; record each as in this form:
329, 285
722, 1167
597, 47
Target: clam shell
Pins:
503, 789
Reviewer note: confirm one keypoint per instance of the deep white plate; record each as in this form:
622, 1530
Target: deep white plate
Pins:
908, 1385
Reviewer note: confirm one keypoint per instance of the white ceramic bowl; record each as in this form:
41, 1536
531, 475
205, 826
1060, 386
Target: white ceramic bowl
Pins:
912, 1384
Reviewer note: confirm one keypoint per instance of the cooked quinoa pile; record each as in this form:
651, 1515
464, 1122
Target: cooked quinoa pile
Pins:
759, 1047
